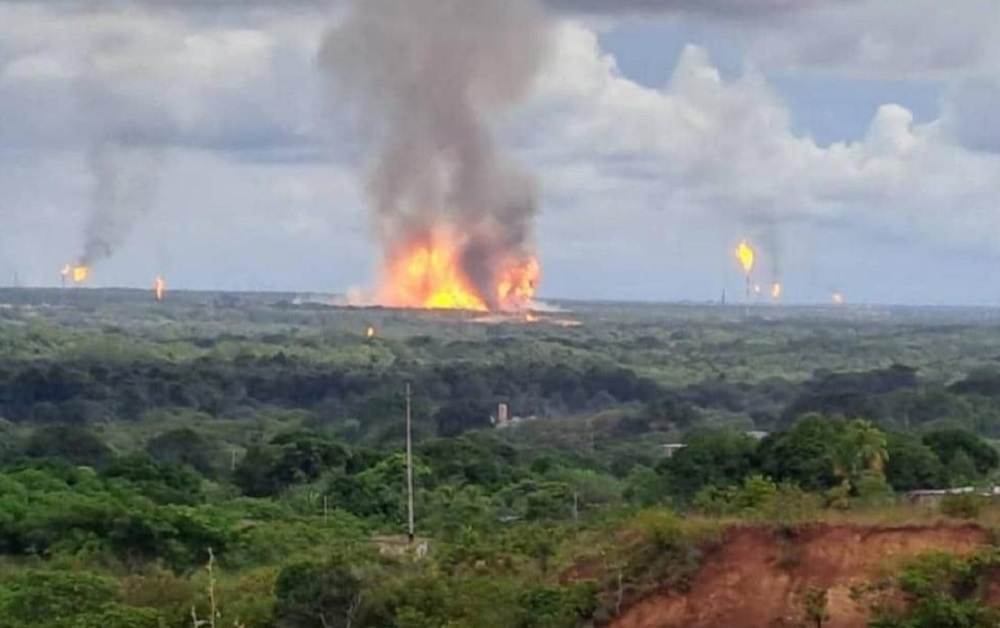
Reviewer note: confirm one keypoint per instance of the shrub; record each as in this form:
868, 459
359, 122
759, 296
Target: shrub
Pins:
316, 595
962, 506
815, 606
938, 589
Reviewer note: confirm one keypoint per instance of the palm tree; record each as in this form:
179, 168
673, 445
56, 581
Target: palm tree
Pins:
871, 446
863, 449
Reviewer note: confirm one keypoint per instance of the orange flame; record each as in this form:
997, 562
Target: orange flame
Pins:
370, 332
428, 275
776, 290
745, 254
159, 288
516, 287
77, 273
838, 298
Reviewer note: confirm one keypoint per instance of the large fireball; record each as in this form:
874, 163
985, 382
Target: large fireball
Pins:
428, 274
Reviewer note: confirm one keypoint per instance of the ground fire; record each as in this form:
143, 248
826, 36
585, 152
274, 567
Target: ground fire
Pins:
430, 275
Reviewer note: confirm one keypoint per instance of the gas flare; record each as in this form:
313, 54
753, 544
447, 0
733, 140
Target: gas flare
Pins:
159, 288
76, 273
429, 275
776, 290
838, 298
745, 254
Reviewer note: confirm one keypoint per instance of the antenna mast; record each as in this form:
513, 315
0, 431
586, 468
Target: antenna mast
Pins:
409, 468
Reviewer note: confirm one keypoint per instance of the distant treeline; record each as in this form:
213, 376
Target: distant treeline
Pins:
457, 396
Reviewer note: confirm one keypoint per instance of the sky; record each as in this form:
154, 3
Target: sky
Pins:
854, 142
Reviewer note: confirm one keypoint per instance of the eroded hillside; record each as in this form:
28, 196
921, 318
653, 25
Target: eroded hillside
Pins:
756, 576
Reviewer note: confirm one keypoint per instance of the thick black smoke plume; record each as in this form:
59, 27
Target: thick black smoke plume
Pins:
425, 79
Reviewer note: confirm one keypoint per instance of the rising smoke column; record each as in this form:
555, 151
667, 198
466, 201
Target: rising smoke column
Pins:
425, 79
124, 153
124, 179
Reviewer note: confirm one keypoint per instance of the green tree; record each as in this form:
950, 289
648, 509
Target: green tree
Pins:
185, 446
556, 607
311, 595
538, 541
254, 474
71, 443
860, 456
644, 487
709, 459
947, 444
305, 455
535, 500
39, 596
961, 469
163, 483
452, 511
912, 465
11, 446
380, 491
806, 454
468, 460
63, 599
753, 494
459, 417
867, 448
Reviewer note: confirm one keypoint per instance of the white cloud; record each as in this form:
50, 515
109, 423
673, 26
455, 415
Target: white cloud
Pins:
167, 78
704, 146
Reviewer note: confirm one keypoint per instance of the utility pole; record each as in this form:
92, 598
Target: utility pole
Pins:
409, 468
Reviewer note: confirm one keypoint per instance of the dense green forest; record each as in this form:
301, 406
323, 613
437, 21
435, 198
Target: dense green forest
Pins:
238, 459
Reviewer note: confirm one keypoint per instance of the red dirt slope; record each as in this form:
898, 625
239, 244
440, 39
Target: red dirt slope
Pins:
753, 578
